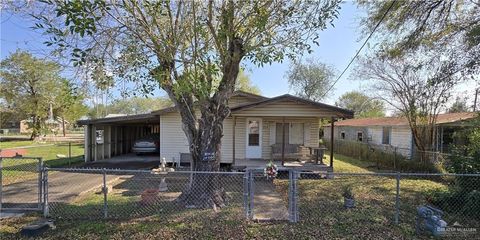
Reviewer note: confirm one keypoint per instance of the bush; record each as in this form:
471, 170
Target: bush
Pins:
472, 204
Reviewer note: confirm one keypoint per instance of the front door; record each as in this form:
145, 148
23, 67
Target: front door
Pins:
254, 138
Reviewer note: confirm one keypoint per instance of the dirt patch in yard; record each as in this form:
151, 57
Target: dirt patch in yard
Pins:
12, 152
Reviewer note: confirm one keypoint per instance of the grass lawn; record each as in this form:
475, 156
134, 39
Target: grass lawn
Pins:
321, 213
16, 170
13, 144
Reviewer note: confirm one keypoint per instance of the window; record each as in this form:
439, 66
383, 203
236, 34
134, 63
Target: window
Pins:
342, 135
387, 131
253, 133
360, 136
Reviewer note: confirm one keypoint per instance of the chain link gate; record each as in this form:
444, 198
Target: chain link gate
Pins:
21, 183
263, 201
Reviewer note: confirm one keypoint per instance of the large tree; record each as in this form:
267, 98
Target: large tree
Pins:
418, 89
363, 105
193, 51
310, 79
31, 86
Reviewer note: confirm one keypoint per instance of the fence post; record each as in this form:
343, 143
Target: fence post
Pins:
45, 192
397, 198
40, 182
105, 192
246, 191
251, 194
69, 153
1, 183
292, 196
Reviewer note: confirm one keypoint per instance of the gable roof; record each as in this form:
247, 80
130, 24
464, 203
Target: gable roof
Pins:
248, 95
402, 121
344, 113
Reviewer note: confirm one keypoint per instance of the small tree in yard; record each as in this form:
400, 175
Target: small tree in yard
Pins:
363, 105
193, 51
30, 86
419, 90
311, 79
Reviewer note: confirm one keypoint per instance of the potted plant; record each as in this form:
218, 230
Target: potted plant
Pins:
149, 196
348, 197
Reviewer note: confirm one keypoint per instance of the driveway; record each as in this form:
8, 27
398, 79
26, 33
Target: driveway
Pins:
62, 187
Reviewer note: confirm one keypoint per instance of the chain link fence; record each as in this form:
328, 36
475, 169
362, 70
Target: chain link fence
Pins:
397, 204
125, 194
333, 204
20, 183
60, 154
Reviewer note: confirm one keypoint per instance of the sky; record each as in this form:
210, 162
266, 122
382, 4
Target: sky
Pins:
338, 45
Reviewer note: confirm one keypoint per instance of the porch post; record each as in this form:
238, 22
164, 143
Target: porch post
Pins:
283, 141
233, 133
331, 141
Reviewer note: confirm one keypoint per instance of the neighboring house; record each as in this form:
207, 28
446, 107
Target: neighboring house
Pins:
254, 126
56, 125
395, 131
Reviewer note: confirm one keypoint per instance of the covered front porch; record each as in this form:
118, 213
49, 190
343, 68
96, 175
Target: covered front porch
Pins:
284, 130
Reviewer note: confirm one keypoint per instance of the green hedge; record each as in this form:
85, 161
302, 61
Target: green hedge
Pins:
384, 160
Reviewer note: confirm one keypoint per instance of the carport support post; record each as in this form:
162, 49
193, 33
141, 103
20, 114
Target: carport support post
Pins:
105, 191
283, 141
331, 141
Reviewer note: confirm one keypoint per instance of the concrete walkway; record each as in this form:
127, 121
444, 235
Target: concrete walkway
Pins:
268, 204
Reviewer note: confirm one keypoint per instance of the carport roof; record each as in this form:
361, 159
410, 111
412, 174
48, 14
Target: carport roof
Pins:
138, 118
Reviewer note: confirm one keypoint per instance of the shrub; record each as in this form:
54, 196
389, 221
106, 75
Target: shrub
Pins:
472, 204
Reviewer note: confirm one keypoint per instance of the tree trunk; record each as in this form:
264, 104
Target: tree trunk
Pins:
205, 189
35, 127
205, 133
63, 127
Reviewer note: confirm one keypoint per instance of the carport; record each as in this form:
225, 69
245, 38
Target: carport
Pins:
115, 136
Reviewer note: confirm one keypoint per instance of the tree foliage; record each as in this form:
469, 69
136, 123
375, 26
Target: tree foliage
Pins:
447, 27
30, 86
310, 79
245, 84
460, 105
129, 106
363, 105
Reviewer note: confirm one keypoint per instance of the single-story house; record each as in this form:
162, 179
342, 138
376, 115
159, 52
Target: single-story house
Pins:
57, 125
395, 131
256, 126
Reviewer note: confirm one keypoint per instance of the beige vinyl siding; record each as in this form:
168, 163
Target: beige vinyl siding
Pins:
227, 144
240, 138
285, 109
172, 138
401, 138
376, 134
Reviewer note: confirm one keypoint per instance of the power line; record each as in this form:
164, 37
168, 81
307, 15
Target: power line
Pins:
360, 49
